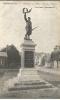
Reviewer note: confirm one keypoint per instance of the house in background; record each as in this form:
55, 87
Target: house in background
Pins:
3, 59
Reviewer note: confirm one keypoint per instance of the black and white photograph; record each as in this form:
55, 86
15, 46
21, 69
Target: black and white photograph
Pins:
29, 49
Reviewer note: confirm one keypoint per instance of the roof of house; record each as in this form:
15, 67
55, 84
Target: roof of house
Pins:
3, 54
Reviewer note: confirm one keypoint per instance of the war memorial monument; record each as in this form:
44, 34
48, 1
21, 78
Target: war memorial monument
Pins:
28, 47
28, 82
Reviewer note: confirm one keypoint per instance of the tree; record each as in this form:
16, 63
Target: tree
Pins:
14, 58
55, 55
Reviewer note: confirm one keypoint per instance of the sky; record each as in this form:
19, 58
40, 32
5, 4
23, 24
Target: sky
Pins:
44, 14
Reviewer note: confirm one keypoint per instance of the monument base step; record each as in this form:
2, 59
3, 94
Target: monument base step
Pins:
29, 78
32, 89
28, 84
32, 85
28, 74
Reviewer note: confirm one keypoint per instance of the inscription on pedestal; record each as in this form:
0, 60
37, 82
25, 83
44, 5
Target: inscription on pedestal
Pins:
29, 59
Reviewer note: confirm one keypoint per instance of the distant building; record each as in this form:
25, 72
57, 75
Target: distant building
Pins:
38, 58
3, 59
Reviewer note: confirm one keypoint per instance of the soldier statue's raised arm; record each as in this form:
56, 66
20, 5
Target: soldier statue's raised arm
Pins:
25, 17
28, 23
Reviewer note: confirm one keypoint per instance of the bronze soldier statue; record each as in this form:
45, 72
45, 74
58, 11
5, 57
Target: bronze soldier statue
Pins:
28, 23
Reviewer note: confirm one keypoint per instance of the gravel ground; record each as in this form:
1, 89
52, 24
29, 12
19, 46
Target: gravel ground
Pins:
6, 74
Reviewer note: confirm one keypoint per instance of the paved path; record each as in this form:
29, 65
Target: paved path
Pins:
55, 71
51, 75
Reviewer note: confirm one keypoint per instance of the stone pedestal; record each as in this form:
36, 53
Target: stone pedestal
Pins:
28, 54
